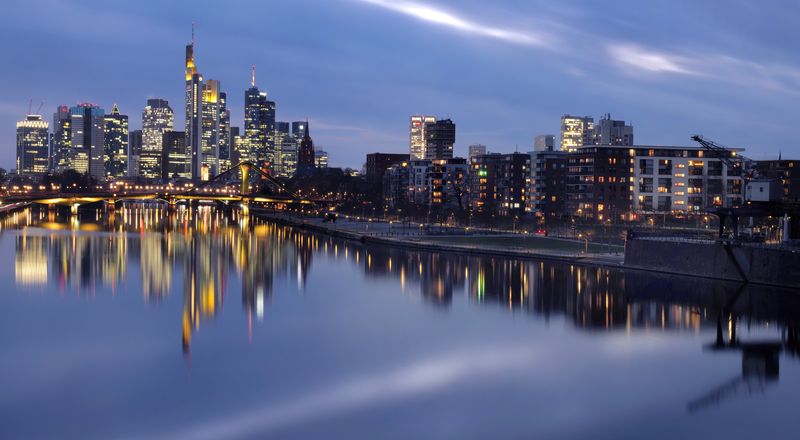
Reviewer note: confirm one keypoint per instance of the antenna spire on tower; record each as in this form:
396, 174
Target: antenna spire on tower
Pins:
253, 74
192, 32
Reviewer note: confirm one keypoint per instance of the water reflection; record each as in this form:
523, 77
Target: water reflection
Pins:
198, 251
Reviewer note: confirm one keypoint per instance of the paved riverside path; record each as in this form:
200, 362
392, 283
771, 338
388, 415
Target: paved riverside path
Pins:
412, 235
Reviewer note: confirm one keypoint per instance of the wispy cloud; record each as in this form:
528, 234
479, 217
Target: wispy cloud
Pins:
436, 15
648, 60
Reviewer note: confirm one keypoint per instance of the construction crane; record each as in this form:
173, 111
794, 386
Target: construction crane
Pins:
725, 155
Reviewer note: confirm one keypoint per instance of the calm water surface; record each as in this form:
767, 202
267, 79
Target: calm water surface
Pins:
200, 324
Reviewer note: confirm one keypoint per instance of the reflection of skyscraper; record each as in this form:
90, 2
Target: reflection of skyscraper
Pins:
30, 260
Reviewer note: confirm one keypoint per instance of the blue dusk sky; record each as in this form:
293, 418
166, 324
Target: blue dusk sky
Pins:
504, 71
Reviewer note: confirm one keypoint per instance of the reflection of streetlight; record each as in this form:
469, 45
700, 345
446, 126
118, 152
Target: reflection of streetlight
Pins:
586, 241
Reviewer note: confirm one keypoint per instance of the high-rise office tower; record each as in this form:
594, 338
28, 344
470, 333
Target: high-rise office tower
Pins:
88, 140
440, 138
173, 154
157, 118
544, 142
224, 141
283, 127
214, 128
305, 154
259, 123
610, 132
284, 162
194, 112
115, 156
416, 142
299, 129
476, 150
576, 131
32, 140
61, 139
134, 152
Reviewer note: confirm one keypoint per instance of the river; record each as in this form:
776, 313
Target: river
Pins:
144, 323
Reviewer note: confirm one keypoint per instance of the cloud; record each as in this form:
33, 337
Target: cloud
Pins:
441, 17
647, 60
411, 380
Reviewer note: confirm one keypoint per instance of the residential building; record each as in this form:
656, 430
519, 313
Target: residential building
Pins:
157, 118
396, 182
32, 146
378, 163
115, 156
787, 171
607, 183
576, 131
610, 132
438, 183
440, 139
544, 142
417, 139
499, 183
547, 195
476, 150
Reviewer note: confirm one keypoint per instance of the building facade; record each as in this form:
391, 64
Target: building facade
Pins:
610, 132
787, 171
259, 125
32, 146
378, 163
61, 139
87, 124
115, 156
476, 150
544, 142
440, 139
157, 119
576, 131
417, 139
173, 155
547, 196
499, 183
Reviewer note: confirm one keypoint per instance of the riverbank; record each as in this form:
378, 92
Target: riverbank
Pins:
413, 237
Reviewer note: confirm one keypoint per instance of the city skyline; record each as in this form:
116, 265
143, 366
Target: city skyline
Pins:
699, 84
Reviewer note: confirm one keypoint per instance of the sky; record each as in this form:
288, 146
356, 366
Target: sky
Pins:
504, 71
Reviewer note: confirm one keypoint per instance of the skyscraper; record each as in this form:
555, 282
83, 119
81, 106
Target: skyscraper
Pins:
173, 154
156, 119
440, 138
134, 152
194, 113
320, 158
214, 127
284, 162
61, 139
299, 129
115, 157
576, 131
610, 132
416, 143
32, 140
224, 141
88, 140
259, 123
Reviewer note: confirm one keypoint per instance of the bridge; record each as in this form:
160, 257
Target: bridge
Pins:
268, 191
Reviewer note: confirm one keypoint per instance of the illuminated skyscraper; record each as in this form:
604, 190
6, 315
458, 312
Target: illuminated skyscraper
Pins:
61, 140
320, 158
259, 123
32, 140
215, 128
285, 158
194, 113
417, 135
157, 118
115, 157
173, 154
88, 140
576, 131
224, 142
